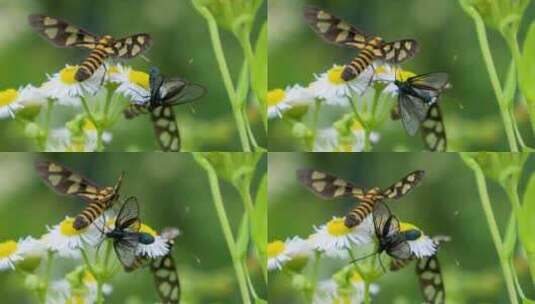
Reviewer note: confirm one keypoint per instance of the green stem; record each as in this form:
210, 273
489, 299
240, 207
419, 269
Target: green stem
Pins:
92, 119
491, 69
225, 225
493, 226
225, 73
314, 278
315, 120
366, 293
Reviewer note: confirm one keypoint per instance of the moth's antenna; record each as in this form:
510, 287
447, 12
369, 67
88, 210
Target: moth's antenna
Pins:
363, 258
145, 58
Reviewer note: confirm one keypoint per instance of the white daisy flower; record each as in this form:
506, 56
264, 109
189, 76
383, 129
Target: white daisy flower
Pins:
67, 241
330, 140
328, 291
66, 90
280, 101
31, 247
9, 254
12, 100
334, 238
386, 74
133, 84
330, 86
61, 139
159, 247
423, 245
62, 292
277, 253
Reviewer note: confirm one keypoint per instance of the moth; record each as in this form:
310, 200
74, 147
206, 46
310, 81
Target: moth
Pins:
328, 186
418, 108
165, 272
164, 94
64, 34
66, 182
126, 235
371, 48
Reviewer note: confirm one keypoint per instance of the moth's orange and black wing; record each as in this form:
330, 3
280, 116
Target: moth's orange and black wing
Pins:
431, 282
327, 186
130, 47
404, 186
165, 127
400, 50
62, 33
165, 272
335, 30
433, 130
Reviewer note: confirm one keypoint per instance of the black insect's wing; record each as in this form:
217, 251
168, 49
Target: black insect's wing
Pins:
327, 186
398, 247
335, 30
381, 220
433, 130
431, 282
125, 248
413, 111
166, 128
405, 185
156, 81
129, 47
128, 217
428, 87
178, 91
62, 33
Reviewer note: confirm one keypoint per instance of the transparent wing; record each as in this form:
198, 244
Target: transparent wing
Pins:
128, 216
166, 128
405, 185
430, 81
178, 91
413, 112
125, 248
399, 248
381, 218
327, 186
433, 130
62, 33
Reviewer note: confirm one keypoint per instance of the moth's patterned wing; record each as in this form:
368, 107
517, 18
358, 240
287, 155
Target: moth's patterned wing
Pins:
125, 248
61, 33
431, 282
405, 185
335, 30
433, 130
397, 264
128, 217
166, 279
134, 110
165, 127
129, 47
400, 50
413, 112
65, 182
327, 186
175, 91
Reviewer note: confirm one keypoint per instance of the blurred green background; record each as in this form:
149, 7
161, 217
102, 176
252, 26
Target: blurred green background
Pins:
181, 48
445, 203
448, 44
172, 191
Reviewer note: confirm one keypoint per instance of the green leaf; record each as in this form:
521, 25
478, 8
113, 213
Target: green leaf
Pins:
510, 83
526, 219
527, 68
260, 223
260, 301
243, 237
260, 70
510, 236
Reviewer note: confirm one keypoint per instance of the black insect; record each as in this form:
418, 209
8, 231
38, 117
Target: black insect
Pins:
418, 107
126, 235
164, 94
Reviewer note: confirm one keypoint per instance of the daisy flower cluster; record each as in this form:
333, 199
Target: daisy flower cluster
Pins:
361, 106
354, 249
98, 103
33, 258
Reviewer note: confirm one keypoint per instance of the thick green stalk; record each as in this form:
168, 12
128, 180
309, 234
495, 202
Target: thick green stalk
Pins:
225, 225
225, 73
491, 69
493, 226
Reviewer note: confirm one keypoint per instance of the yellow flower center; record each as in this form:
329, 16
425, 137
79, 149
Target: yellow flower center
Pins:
335, 75
146, 229
7, 248
336, 227
67, 229
113, 70
88, 125
67, 75
139, 78
274, 97
8, 96
88, 278
407, 226
275, 248
356, 126
356, 277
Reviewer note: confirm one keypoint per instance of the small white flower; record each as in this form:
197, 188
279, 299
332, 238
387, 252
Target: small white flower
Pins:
423, 246
330, 140
277, 253
61, 139
334, 238
31, 247
66, 90
133, 84
62, 292
386, 74
329, 292
12, 100
280, 101
159, 247
297, 246
66, 240
331, 88
9, 254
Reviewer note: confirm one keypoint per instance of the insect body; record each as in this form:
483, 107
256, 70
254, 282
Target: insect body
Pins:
63, 34
328, 186
339, 32
164, 94
65, 182
418, 107
125, 234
